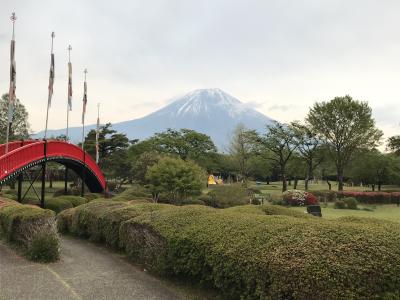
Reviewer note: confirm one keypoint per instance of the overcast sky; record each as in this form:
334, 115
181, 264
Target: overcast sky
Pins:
281, 56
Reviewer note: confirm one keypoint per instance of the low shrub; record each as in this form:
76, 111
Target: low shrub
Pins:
32, 229
193, 202
351, 203
135, 192
267, 257
299, 198
57, 204
250, 252
91, 196
227, 196
340, 204
74, 200
271, 210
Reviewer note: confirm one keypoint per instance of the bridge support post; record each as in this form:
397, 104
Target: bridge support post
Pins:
83, 175
19, 195
43, 191
66, 181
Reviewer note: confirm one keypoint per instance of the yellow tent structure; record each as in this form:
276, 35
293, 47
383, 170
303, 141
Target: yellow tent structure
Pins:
211, 180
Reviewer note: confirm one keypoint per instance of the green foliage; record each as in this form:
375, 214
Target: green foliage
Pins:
176, 177
91, 196
32, 229
227, 196
57, 204
185, 143
251, 252
271, 210
394, 144
340, 204
280, 143
19, 127
351, 203
45, 247
113, 152
193, 202
136, 192
346, 126
74, 200
242, 148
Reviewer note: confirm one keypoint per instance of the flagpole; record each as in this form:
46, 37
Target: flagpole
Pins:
97, 133
50, 87
84, 111
69, 90
12, 84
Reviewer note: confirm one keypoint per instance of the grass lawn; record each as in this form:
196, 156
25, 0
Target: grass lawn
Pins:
390, 212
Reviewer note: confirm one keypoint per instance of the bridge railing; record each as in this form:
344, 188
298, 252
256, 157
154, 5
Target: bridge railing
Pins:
18, 158
34, 151
15, 145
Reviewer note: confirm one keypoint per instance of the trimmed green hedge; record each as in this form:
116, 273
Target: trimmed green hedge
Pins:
250, 252
133, 193
32, 229
74, 200
268, 210
57, 204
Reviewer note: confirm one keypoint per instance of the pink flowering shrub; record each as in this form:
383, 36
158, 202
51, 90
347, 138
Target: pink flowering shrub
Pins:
299, 198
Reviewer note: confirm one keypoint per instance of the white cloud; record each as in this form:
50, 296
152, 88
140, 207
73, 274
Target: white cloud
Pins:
141, 53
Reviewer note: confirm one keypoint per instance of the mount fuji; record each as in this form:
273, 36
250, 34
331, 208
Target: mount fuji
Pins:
210, 111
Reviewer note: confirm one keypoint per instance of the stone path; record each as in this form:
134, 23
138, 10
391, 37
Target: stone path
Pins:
85, 271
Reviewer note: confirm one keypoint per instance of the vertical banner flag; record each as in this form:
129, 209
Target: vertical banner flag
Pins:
70, 86
97, 133
51, 79
84, 101
13, 78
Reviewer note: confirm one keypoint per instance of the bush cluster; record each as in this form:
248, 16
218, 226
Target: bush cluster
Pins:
31, 228
250, 252
348, 202
298, 198
226, 196
361, 197
133, 193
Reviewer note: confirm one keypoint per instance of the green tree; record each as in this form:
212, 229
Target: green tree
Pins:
346, 126
280, 141
176, 178
310, 149
374, 168
142, 164
242, 147
186, 143
394, 144
19, 127
113, 153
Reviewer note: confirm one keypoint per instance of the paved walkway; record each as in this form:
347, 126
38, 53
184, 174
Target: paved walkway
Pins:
85, 271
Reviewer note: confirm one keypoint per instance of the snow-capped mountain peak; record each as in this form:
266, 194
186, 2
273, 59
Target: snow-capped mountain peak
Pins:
210, 111
204, 101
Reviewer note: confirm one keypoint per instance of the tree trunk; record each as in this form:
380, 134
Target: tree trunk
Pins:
290, 181
340, 179
284, 182
379, 186
296, 181
373, 187
329, 184
306, 184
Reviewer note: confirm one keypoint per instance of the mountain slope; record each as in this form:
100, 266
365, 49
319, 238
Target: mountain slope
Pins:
210, 111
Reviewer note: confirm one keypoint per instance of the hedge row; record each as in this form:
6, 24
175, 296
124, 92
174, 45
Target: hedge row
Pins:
31, 228
361, 197
250, 252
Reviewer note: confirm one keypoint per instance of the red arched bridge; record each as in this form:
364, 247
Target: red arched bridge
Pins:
23, 155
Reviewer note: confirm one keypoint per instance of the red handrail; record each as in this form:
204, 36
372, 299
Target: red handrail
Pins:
20, 157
